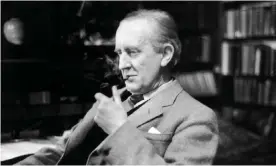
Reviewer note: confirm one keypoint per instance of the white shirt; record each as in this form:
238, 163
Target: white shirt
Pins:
152, 93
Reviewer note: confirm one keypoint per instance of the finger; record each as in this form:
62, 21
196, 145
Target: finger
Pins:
101, 97
116, 95
122, 90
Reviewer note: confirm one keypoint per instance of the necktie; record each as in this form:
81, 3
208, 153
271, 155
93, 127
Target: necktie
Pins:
136, 98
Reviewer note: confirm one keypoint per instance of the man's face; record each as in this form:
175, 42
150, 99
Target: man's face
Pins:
139, 63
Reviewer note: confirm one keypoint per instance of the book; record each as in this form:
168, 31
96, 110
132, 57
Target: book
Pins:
230, 23
254, 21
267, 88
245, 59
267, 19
236, 59
251, 60
206, 48
237, 24
273, 94
273, 63
257, 61
273, 18
225, 59
243, 20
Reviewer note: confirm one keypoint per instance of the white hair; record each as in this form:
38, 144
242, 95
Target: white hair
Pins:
167, 29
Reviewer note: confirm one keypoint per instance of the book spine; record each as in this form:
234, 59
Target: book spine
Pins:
267, 20
273, 19
245, 59
261, 20
236, 88
251, 60
230, 14
225, 59
254, 21
250, 19
273, 94
274, 63
243, 21
206, 46
267, 89
237, 19
257, 61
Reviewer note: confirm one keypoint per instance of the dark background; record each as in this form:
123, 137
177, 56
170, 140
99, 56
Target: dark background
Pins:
48, 25
72, 69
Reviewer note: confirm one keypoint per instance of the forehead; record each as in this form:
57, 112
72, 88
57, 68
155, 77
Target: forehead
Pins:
134, 32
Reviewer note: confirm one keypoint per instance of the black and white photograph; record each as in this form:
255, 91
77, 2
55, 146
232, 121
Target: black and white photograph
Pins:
138, 82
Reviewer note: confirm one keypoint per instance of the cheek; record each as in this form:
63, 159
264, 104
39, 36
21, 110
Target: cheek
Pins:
147, 71
141, 68
147, 65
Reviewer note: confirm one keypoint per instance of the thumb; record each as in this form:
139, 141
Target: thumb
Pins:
101, 97
116, 95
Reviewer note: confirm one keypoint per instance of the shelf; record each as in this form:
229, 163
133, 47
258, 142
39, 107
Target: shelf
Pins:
236, 4
251, 39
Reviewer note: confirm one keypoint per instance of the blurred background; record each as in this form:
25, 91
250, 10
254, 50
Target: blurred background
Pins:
56, 55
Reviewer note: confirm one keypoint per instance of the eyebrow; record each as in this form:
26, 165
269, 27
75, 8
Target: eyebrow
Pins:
141, 42
126, 48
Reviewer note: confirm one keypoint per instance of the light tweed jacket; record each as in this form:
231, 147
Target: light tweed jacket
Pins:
188, 135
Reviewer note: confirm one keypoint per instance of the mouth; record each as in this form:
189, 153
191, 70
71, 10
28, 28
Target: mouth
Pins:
129, 77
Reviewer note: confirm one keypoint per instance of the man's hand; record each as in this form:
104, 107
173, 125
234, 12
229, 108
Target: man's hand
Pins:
111, 114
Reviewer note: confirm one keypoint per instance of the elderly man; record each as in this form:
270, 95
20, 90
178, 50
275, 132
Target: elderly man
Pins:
167, 126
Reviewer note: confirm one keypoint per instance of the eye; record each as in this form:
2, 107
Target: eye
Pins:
132, 52
118, 52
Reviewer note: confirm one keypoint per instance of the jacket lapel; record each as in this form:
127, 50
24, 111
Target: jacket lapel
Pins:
127, 105
154, 107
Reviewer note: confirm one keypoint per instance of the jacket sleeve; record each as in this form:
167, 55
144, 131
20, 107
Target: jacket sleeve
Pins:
48, 156
193, 142
51, 156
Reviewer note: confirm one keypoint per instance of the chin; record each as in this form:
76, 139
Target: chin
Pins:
134, 89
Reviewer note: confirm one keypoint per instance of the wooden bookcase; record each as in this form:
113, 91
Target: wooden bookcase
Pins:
248, 64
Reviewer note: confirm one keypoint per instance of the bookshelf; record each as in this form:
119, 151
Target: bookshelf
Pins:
248, 62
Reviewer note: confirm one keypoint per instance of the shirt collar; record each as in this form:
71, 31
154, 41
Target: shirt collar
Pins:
152, 93
155, 91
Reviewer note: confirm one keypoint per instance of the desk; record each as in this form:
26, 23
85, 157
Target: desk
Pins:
24, 147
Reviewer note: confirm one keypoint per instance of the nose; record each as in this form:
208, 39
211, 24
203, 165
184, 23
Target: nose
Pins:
124, 61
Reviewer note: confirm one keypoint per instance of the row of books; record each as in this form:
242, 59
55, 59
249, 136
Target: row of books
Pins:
248, 59
249, 90
251, 20
198, 48
199, 84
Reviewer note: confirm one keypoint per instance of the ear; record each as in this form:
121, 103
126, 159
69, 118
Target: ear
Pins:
167, 54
